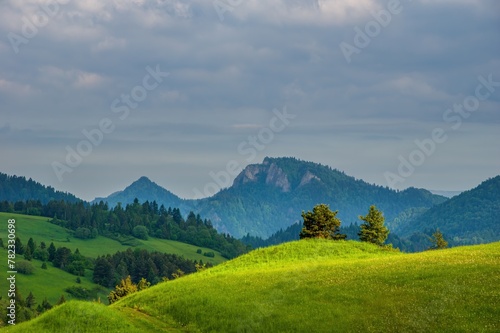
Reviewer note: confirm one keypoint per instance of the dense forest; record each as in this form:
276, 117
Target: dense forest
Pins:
138, 220
14, 188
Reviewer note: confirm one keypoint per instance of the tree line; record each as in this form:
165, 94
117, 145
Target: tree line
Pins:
155, 267
138, 220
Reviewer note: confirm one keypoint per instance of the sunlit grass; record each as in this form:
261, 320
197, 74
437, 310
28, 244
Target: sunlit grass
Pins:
325, 286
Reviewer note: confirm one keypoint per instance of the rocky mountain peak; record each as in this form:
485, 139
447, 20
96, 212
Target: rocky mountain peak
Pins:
307, 178
269, 171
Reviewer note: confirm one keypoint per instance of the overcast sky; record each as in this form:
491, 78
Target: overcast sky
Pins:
358, 92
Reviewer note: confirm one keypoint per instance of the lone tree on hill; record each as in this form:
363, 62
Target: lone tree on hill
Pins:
373, 229
321, 223
438, 241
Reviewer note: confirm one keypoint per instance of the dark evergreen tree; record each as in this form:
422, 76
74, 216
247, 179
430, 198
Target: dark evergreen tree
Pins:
61, 300
373, 229
62, 257
103, 272
31, 246
52, 251
30, 301
27, 254
321, 223
19, 246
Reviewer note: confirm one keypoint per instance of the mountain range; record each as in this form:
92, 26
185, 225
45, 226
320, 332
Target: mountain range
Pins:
270, 196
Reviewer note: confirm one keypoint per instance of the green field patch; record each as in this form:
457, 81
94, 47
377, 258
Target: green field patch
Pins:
40, 229
49, 283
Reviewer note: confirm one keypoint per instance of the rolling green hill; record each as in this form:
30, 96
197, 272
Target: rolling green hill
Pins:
308, 286
41, 230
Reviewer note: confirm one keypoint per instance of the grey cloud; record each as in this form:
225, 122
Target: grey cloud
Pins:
227, 77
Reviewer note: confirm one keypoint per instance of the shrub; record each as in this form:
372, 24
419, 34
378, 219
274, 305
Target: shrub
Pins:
83, 233
140, 232
78, 292
25, 267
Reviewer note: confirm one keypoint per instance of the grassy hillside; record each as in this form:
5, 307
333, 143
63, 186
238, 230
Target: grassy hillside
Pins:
310, 286
49, 283
41, 230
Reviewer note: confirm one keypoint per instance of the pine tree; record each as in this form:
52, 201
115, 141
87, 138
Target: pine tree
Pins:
52, 251
321, 223
438, 241
19, 246
373, 229
30, 301
28, 255
61, 300
31, 246
103, 272
46, 305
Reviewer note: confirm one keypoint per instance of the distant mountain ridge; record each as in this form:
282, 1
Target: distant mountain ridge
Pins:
469, 218
146, 190
269, 196
15, 188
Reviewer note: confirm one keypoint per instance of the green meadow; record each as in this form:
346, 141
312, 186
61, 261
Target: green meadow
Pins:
41, 230
48, 283
308, 286
51, 282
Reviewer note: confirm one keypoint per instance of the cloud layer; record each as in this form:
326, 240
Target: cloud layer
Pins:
230, 64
